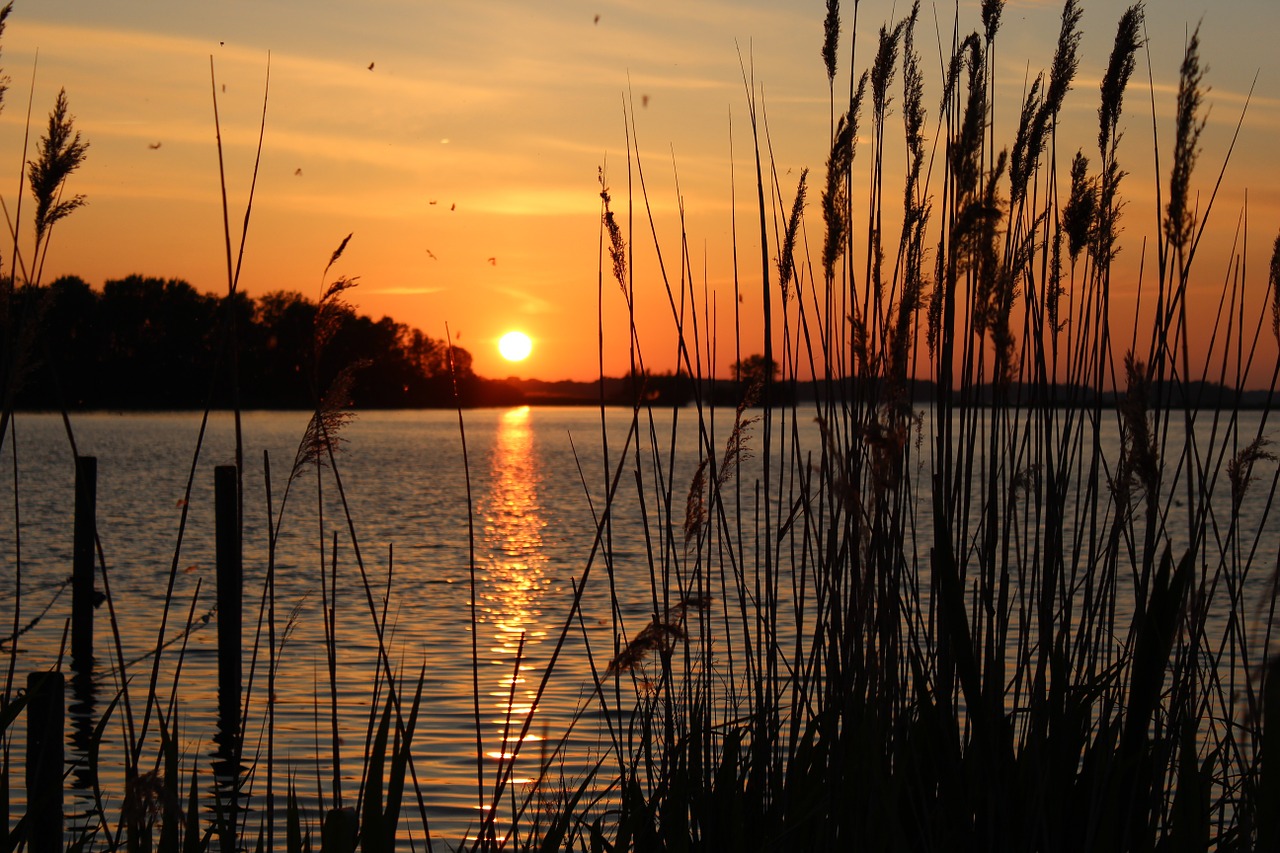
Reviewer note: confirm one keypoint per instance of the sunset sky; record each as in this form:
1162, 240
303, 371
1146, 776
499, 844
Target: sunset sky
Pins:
459, 142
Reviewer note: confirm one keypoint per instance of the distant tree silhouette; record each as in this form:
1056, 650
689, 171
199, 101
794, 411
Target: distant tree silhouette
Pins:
754, 368
158, 341
146, 343
750, 374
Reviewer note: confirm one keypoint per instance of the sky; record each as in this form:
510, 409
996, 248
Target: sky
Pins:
461, 143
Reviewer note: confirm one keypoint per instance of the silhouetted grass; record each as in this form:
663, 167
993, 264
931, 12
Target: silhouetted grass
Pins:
969, 626
1010, 619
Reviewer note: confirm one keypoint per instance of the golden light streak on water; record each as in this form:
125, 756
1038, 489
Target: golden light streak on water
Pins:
515, 568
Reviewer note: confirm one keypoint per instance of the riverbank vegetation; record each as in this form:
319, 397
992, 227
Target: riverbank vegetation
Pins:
958, 626
966, 626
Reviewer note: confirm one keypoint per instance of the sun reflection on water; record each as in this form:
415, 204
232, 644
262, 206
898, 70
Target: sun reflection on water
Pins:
513, 564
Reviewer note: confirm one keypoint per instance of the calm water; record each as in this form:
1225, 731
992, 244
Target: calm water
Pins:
536, 480
537, 483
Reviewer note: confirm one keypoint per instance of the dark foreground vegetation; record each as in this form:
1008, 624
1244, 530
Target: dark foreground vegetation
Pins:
979, 630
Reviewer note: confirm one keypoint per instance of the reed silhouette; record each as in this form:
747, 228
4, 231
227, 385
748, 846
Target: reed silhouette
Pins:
955, 623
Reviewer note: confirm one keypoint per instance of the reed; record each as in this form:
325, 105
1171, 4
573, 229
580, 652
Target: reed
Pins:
953, 623
236, 794
958, 623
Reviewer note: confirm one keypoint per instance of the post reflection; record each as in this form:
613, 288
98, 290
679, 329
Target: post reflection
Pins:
515, 576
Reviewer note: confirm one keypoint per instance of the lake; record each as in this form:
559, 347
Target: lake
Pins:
522, 505
537, 482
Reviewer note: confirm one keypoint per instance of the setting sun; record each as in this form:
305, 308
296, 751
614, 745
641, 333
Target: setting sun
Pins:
515, 346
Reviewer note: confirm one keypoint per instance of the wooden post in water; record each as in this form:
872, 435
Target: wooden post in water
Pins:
44, 761
230, 584
82, 562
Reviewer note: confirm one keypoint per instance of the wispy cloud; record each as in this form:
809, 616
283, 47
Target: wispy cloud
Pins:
403, 291
523, 301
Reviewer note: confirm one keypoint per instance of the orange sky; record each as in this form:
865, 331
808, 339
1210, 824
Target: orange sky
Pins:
465, 160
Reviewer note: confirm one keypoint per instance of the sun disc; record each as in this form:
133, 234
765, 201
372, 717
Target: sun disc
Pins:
515, 346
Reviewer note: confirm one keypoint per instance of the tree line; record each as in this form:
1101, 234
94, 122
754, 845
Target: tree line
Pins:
151, 343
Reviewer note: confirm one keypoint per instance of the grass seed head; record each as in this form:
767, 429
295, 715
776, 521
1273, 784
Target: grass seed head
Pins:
1274, 284
695, 507
61, 152
1079, 216
831, 38
617, 246
991, 12
660, 635
882, 71
1240, 469
1066, 57
835, 198
4, 79
786, 261
1119, 70
1180, 220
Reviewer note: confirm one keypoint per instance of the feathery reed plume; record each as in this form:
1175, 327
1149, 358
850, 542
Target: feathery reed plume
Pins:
954, 67
933, 318
991, 11
786, 261
882, 73
4, 78
915, 208
1119, 70
1273, 281
1180, 220
1240, 469
333, 406
976, 227
1066, 58
913, 114
617, 246
1066, 61
1106, 233
323, 430
835, 198
1019, 258
1027, 144
831, 39
1081, 209
337, 253
736, 449
696, 514
1116, 79
860, 340
976, 235
882, 70
61, 151
695, 505
835, 195
1139, 456
661, 634
966, 156
1055, 291
331, 310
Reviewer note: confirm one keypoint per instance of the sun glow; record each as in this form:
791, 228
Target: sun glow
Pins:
515, 346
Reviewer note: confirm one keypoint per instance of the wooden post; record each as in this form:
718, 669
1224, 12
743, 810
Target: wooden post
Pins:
230, 584
82, 562
44, 761
81, 721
